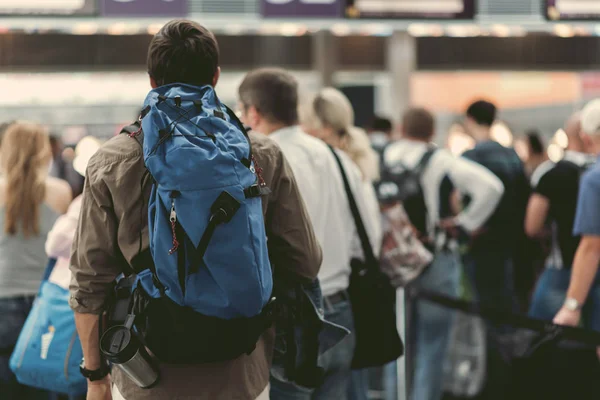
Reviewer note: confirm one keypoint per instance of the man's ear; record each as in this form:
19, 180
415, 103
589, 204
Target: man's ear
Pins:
153, 83
400, 129
253, 116
216, 77
587, 142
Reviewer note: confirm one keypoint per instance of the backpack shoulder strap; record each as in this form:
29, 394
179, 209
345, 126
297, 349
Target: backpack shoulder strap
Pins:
134, 131
425, 160
131, 129
235, 119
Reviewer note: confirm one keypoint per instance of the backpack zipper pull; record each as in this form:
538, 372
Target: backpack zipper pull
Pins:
173, 219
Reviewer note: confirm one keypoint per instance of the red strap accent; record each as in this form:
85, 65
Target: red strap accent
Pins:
259, 172
175, 241
136, 133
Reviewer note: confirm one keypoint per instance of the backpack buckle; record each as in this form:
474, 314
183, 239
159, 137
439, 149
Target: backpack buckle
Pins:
252, 191
256, 191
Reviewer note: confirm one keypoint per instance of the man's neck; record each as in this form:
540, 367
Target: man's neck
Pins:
596, 146
574, 149
416, 140
482, 134
269, 129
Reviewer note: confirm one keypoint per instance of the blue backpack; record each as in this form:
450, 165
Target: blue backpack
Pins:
48, 352
210, 278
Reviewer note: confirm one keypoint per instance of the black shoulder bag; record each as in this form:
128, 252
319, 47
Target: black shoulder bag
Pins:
373, 300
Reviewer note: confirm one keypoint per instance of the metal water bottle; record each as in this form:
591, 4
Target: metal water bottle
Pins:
123, 349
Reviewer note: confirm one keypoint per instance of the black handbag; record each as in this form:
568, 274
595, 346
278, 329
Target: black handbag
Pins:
373, 300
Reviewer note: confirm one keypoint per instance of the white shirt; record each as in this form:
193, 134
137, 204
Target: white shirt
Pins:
468, 177
59, 242
322, 188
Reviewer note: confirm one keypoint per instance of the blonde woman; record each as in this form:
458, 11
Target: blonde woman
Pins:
30, 203
329, 116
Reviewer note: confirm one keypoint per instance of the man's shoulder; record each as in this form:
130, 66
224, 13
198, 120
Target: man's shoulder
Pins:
263, 143
266, 150
545, 169
118, 148
470, 153
314, 145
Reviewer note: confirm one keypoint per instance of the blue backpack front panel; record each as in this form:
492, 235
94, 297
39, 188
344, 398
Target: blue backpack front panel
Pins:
196, 151
48, 352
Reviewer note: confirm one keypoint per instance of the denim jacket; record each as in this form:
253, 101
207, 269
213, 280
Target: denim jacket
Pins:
303, 334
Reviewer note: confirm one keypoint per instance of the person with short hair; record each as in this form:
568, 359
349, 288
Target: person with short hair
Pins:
114, 224
381, 124
380, 132
269, 103
583, 295
496, 258
536, 151
491, 258
442, 174
555, 191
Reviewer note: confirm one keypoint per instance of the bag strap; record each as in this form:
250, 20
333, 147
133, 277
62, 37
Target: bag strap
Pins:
49, 268
421, 165
424, 162
234, 118
585, 336
370, 258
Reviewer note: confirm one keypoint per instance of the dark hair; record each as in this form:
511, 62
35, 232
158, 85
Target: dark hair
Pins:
535, 141
380, 124
274, 94
418, 123
483, 112
183, 52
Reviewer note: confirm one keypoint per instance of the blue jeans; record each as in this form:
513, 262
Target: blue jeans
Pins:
359, 385
491, 274
432, 325
13, 313
550, 293
490, 271
336, 363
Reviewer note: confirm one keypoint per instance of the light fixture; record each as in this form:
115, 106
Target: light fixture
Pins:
153, 29
117, 29
269, 29
458, 141
563, 30
340, 29
288, 29
561, 138
463, 30
377, 30
555, 152
85, 28
500, 30
501, 134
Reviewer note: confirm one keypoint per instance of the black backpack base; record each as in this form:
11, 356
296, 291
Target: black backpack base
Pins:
180, 335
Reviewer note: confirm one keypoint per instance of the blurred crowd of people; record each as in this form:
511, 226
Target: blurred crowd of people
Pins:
481, 216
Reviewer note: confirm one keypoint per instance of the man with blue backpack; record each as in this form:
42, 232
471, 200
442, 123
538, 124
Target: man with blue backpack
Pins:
182, 204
